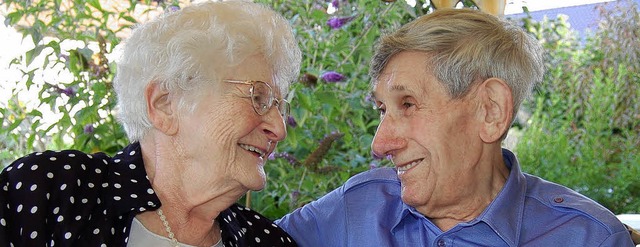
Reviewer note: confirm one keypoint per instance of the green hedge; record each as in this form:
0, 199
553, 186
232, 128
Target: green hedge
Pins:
585, 128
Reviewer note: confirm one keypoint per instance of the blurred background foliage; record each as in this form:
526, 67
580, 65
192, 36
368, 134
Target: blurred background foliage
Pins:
585, 128
581, 128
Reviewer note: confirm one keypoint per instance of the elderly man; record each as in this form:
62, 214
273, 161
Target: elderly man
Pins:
448, 86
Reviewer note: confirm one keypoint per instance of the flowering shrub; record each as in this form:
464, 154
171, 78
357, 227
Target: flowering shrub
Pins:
331, 124
334, 118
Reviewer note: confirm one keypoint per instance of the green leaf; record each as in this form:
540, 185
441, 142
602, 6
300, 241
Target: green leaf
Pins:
55, 46
15, 124
330, 98
305, 101
30, 139
95, 4
13, 18
35, 113
129, 19
33, 53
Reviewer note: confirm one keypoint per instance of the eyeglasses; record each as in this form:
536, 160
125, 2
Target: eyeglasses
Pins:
262, 97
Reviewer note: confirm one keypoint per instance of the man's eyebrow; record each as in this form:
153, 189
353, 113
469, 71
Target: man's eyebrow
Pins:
397, 87
392, 88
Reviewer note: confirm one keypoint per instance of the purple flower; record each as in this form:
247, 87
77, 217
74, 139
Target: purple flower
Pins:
373, 165
338, 22
332, 76
88, 129
287, 156
99, 70
294, 195
335, 3
173, 8
292, 122
331, 134
368, 98
272, 156
67, 91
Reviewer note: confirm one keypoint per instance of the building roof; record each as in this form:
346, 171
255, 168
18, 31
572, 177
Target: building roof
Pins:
581, 18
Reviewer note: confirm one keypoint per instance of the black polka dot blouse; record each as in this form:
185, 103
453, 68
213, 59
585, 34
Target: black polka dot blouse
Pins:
70, 198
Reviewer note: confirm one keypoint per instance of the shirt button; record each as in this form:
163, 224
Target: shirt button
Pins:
558, 199
441, 243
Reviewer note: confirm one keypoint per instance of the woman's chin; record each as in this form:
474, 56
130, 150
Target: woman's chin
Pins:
256, 183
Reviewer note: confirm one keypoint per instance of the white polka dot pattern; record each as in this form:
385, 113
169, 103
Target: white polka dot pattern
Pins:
57, 199
244, 227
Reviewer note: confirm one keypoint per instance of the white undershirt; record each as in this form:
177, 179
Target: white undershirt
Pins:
140, 236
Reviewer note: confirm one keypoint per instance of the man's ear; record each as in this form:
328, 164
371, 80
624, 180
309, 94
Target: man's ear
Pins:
497, 109
160, 108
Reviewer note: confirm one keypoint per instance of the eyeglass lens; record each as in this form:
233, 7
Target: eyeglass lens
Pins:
262, 99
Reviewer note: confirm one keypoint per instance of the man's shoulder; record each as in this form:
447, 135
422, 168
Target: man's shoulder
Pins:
567, 201
375, 177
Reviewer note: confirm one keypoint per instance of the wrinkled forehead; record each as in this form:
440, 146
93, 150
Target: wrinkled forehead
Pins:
387, 82
386, 88
255, 67
402, 73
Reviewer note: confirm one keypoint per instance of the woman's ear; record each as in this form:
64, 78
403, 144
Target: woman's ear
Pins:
160, 108
497, 109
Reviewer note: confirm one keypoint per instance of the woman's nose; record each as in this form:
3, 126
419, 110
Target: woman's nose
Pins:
274, 126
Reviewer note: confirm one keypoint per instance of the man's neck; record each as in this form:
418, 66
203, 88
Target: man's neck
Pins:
491, 177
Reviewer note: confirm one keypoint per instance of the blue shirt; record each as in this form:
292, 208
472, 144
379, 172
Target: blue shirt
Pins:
529, 211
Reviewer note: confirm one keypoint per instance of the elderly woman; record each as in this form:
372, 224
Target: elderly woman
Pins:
201, 97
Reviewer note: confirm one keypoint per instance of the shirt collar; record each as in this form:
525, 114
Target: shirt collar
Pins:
409, 214
129, 187
404, 212
505, 213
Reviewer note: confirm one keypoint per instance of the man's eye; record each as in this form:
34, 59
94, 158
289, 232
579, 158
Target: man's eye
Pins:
409, 108
407, 105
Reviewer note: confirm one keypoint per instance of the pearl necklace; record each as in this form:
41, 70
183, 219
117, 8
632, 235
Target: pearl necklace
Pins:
167, 228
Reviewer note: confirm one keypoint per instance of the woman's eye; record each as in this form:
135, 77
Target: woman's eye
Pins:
381, 111
407, 105
380, 108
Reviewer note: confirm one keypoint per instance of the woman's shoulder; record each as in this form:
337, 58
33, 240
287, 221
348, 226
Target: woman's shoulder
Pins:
44, 177
52, 194
54, 165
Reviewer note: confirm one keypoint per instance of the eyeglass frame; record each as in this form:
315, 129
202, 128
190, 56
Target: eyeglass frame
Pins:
272, 102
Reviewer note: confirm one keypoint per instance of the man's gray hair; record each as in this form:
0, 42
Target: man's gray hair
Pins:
464, 46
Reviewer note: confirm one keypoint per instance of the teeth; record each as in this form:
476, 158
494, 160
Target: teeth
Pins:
252, 149
402, 169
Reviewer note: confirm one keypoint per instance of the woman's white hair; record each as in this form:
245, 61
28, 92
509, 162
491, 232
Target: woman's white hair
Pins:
179, 49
